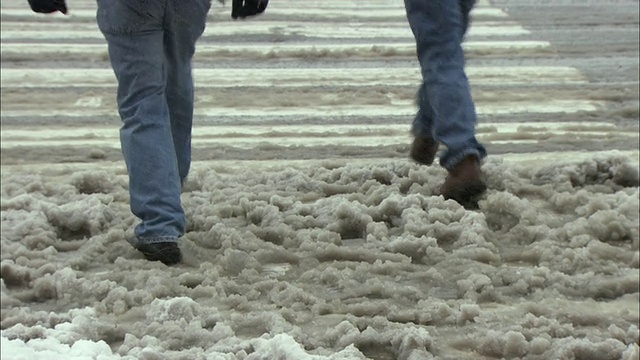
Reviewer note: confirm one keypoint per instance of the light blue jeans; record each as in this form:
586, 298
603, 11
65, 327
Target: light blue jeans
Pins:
446, 111
151, 45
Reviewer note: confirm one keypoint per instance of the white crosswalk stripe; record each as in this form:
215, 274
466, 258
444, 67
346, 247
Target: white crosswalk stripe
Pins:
337, 10
206, 78
291, 50
351, 30
349, 66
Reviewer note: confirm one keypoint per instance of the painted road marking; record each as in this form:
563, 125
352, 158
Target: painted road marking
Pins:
248, 142
402, 108
311, 135
274, 10
296, 50
350, 23
355, 31
557, 158
34, 31
309, 77
9, 134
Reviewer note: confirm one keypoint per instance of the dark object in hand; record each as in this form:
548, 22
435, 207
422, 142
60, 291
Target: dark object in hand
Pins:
48, 6
245, 8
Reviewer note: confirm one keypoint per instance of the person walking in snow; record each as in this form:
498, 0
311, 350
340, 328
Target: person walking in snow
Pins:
151, 45
446, 111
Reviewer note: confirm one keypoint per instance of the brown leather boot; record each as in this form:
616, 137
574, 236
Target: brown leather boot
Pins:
463, 184
423, 150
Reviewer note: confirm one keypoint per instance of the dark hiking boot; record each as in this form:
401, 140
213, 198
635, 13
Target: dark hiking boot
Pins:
166, 252
423, 150
463, 184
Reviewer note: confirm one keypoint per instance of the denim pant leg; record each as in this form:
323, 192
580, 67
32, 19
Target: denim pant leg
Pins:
134, 33
184, 24
422, 124
447, 112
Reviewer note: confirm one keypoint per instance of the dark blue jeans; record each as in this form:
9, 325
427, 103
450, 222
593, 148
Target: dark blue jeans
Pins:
151, 45
446, 111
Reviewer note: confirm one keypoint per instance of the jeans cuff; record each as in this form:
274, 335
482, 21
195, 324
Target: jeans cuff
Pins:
449, 161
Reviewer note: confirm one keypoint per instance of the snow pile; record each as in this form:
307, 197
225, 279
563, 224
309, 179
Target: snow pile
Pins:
339, 261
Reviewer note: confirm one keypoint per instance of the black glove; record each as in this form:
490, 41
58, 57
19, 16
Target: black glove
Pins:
244, 8
48, 6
